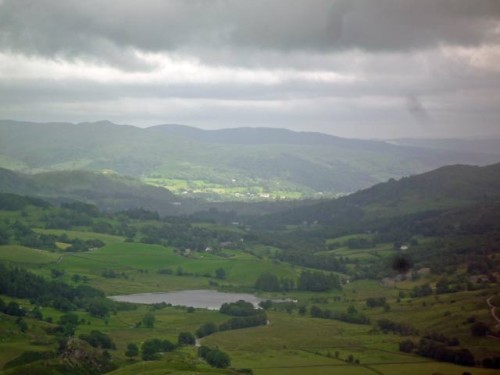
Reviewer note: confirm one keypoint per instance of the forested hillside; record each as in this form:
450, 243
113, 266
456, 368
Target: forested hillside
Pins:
230, 164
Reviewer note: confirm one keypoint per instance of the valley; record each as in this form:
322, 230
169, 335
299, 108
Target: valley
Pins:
377, 281
242, 164
240, 187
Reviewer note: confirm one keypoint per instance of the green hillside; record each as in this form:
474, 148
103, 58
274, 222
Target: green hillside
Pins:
348, 305
233, 164
399, 277
444, 188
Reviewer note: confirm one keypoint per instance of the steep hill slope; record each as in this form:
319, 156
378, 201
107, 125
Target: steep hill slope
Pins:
444, 188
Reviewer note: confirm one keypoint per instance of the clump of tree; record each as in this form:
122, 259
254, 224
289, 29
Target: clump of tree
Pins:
403, 329
214, 357
269, 282
132, 350
421, 291
493, 362
258, 319
186, 338
315, 281
12, 308
98, 339
239, 308
244, 316
151, 349
148, 320
439, 351
376, 302
479, 329
220, 273
20, 283
69, 322
206, 329
78, 245
352, 315
439, 337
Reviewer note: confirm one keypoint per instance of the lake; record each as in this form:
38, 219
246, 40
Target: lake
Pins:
204, 298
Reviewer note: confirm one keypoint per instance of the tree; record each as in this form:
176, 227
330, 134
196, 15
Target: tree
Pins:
268, 282
148, 320
317, 281
150, 349
14, 309
479, 329
406, 346
186, 338
206, 329
98, 339
217, 358
214, 357
132, 350
220, 273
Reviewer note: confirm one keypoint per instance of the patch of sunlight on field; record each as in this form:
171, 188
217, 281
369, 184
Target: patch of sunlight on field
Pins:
24, 255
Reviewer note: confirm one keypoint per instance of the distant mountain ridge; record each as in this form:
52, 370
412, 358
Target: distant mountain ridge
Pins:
249, 135
241, 162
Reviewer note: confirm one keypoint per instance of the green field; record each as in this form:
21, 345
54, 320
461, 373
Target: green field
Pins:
293, 341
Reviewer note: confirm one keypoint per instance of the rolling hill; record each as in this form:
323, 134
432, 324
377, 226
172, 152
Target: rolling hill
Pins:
229, 164
108, 191
450, 187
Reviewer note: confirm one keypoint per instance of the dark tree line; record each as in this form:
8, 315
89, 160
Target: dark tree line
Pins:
350, 316
22, 234
269, 282
20, 283
244, 316
313, 281
318, 281
403, 329
439, 351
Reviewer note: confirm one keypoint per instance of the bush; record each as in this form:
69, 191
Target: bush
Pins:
206, 329
214, 357
186, 338
240, 308
98, 340
132, 350
150, 349
479, 329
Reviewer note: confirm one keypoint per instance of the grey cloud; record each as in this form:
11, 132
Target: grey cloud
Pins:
109, 30
416, 109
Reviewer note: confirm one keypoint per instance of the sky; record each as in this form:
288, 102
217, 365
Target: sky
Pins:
352, 68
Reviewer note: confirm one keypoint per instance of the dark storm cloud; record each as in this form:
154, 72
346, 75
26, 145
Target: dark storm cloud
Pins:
361, 68
111, 30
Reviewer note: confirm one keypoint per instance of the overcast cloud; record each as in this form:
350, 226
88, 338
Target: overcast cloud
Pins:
357, 68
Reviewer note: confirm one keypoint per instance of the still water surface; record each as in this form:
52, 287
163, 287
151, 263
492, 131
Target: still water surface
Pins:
204, 298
